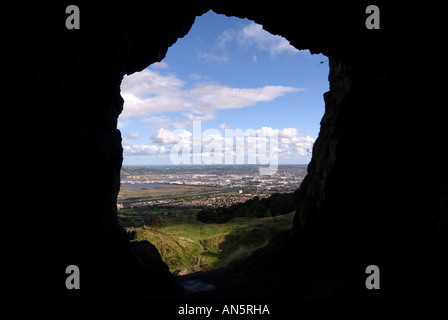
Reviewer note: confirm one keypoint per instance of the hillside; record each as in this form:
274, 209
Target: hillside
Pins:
188, 246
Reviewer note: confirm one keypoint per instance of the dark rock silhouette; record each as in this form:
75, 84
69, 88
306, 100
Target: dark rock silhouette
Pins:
376, 189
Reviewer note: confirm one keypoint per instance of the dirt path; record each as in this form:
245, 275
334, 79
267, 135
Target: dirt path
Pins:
200, 256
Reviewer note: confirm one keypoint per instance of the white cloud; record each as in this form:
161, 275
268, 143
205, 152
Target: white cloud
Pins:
224, 126
121, 123
142, 149
292, 143
132, 135
149, 93
157, 122
169, 138
160, 65
250, 36
211, 97
162, 142
225, 37
217, 57
289, 132
254, 35
198, 77
150, 82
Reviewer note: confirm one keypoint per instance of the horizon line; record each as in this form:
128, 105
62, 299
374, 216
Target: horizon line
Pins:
210, 165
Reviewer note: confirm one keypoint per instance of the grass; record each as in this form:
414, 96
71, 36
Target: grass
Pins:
187, 245
197, 230
181, 253
166, 192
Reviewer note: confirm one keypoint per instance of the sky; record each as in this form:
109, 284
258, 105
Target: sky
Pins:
227, 75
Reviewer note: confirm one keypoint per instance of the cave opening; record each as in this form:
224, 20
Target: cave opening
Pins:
238, 90
375, 191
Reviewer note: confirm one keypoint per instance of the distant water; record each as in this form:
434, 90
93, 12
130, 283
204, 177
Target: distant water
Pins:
143, 185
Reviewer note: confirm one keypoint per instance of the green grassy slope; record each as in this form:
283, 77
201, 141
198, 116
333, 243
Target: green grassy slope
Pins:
187, 245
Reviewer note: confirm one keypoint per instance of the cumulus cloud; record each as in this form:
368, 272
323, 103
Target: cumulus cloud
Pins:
150, 82
149, 93
291, 143
169, 138
138, 149
161, 142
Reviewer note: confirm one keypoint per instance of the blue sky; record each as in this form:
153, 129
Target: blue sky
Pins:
227, 73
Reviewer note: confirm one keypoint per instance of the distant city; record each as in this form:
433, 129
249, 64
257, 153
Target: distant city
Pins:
286, 179
203, 186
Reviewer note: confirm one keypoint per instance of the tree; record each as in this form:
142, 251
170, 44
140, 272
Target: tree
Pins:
257, 209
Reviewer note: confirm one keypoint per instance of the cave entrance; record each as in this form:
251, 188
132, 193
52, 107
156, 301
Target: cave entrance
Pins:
216, 137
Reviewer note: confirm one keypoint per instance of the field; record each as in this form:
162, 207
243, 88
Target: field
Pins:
164, 193
141, 206
187, 245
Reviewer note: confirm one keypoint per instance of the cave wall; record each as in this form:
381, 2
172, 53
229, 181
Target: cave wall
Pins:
376, 186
